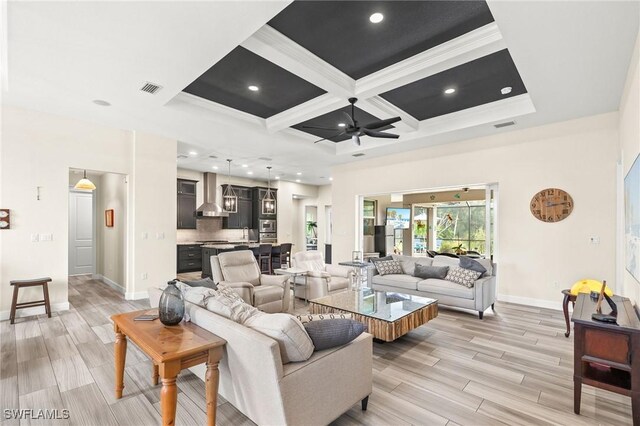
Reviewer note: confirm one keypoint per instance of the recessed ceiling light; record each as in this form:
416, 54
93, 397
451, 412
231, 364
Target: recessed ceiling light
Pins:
330, 178
253, 88
297, 180
449, 91
342, 125
193, 153
277, 177
376, 17
214, 167
506, 90
101, 102
249, 172
299, 173
245, 165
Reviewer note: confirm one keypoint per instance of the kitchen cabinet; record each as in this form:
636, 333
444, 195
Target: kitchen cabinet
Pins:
244, 216
189, 258
186, 204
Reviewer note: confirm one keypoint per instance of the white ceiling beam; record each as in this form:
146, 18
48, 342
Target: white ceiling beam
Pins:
382, 109
282, 51
305, 111
472, 45
191, 104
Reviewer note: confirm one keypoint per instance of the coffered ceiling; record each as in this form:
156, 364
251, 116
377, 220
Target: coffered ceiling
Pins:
306, 59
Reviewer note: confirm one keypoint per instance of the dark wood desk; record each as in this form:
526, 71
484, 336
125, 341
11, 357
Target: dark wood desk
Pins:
606, 356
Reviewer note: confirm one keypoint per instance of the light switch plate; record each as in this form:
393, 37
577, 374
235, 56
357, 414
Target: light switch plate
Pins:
35, 238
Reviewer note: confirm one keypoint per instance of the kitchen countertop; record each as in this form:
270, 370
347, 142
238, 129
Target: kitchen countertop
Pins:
233, 245
199, 243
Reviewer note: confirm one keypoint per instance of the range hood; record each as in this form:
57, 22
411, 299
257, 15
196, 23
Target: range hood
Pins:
210, 208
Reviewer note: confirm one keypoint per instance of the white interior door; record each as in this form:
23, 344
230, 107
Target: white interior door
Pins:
81, 233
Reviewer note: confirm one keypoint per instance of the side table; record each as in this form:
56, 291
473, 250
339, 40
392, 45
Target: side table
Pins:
360, 270
293, 273
568, 297
171, 349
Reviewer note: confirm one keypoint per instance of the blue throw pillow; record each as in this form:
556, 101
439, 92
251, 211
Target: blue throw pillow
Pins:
468, 263
333, 332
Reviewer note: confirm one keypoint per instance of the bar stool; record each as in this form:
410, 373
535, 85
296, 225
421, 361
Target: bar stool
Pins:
264, 258
18, 284
280, 255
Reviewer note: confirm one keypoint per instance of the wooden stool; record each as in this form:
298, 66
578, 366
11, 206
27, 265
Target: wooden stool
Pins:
568, 297
18, 284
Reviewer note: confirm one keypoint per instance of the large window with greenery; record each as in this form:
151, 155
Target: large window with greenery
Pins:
460, 227
420, 227
369, 217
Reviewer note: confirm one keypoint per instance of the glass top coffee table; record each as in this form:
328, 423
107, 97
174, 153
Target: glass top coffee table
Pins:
388, 315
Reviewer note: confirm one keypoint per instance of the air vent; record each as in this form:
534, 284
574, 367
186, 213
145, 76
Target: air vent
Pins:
213, 156
360, 154
150, 88
505, 124
182, 156
265, 159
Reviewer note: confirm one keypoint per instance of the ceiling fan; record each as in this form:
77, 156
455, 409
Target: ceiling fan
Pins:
355, 131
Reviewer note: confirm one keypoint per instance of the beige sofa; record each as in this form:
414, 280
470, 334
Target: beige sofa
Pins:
322, 279
239, 270
254, 380
478, 298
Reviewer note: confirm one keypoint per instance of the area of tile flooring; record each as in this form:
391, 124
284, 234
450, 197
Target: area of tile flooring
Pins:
513, 367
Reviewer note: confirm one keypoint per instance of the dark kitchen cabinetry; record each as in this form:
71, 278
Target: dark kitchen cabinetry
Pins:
244, 216
189, 258
186, 204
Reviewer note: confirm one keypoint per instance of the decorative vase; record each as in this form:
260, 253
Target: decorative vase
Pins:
171, 307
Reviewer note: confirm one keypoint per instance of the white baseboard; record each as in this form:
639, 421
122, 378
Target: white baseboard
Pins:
136, 296
538, 303
114, 285
38, 310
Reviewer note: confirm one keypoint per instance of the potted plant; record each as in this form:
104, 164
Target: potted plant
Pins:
459, 249
312, 228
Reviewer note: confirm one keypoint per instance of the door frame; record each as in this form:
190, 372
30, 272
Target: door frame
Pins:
93, 231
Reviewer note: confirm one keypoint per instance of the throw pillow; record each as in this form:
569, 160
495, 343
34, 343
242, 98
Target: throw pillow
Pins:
387, 267
465, 277
425, 271
305, 318
206, 282
469, 263
379, 259
227, 303
333, 332
196, 295
294, 342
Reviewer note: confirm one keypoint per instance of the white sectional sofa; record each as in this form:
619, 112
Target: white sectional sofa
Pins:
478, 298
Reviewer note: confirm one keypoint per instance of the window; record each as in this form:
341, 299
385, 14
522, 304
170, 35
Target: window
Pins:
369, 217
461, 227
420, 230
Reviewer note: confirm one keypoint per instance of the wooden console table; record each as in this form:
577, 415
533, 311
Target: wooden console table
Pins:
607, 356
171, 349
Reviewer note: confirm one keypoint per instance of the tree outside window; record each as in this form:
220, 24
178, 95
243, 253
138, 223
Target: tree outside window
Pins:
461, 227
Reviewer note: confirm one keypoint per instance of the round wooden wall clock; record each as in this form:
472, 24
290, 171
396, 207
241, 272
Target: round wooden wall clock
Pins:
551, 205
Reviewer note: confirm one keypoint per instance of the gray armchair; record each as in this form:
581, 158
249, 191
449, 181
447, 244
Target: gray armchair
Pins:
240, 271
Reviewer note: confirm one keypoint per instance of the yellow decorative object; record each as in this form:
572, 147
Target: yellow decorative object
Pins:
587, 286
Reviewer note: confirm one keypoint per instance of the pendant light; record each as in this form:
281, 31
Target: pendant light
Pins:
85, 183
269, 200
229, 197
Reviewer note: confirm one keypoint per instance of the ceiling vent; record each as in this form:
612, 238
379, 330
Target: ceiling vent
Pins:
213, 156
182, 156
150, 88
505, 124
360, 154
265, 159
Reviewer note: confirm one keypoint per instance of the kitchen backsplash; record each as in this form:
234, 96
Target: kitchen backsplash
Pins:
208, 229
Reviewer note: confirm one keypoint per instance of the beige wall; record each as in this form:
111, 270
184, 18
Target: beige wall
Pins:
630, 149
112, 241
37, 151
536, 260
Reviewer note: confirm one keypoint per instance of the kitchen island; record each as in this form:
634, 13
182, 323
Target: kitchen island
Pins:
209, 250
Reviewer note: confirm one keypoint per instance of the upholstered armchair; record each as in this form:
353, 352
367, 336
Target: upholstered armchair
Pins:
240, 271
322, 279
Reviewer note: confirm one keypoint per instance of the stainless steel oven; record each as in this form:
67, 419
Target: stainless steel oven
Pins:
268, 237
267, 225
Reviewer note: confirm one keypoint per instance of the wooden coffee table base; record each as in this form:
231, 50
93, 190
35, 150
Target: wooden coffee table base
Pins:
171, 349
387, 331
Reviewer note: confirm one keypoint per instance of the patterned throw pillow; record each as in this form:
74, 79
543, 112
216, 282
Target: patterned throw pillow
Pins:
388, 267
227, 303
305, 318
465, 277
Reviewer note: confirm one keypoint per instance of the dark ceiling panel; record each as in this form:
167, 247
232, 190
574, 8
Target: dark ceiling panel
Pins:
340, 33
332, 119
227, 83
477, 82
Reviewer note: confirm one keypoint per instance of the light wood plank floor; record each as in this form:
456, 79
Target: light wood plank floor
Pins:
514, 367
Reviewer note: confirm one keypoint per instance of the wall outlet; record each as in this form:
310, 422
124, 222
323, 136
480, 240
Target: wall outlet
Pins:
594, 240
145, 276
35, 238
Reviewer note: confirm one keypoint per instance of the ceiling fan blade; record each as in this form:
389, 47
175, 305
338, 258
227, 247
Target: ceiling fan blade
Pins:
356, 139
375, 134
382, 123
331, 137
318, 128
349, 118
